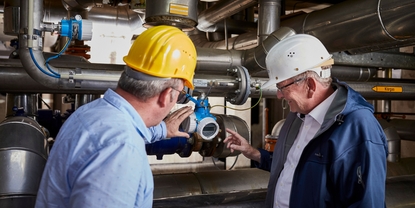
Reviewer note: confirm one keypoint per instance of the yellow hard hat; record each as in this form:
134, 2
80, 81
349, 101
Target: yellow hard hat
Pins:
163, 52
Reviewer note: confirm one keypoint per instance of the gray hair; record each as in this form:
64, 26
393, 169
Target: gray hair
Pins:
326, 82
144, 90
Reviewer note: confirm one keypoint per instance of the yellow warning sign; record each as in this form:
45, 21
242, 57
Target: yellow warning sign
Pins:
179, 9
387, 89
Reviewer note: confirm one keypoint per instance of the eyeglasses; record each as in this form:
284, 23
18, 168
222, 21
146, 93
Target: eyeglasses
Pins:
182, 96
287, 85
183, 92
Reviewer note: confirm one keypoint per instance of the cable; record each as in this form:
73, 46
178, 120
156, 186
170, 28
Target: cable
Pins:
43, 101
40, 68
215, 164
54, 74
234, 163
57, 56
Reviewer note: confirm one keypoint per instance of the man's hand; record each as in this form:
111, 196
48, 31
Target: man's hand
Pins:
234, 141
174, 120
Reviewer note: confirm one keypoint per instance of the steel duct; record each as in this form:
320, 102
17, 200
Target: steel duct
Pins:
250, 59
209, 188
405, 128
246, 188
219, 11
400, 191
379, 89
80, 4
23, 155
392, 89
373, 25
13, 72
393, 139
268, 17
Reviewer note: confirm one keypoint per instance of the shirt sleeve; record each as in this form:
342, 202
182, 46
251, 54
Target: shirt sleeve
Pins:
158, 132
115, 176
266, 160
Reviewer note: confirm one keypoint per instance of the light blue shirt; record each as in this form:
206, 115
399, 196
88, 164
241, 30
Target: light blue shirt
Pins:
99, 158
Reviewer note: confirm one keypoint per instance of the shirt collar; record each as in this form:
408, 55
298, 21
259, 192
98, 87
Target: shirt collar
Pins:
320, 110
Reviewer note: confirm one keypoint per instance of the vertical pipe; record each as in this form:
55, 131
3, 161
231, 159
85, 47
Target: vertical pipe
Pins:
30, 24
268, 18
268, 21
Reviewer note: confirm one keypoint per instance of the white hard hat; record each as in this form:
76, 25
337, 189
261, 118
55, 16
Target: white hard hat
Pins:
294, 55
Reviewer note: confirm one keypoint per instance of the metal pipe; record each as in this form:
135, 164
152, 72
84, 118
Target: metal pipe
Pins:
375, 89
393, 139
23, 154
343, 73
220, 11
387, 24
80, 4
246, 188
12, 72
223, 59
254, 59
240, 42
405, 128
268, 18
236, 26
33, 59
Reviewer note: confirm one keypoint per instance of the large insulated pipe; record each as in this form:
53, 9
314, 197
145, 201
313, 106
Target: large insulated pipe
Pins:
80, 4
405, 128
32, 58
330, 25
246, 188
22, 104
119, 16
393, 139
178, 13
218, 82
12, 72
371, 25
241, 42
23, 154
269, 13
379, 89
210, 188
219, 11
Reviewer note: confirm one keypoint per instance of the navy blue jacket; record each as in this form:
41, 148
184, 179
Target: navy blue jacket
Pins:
344, 165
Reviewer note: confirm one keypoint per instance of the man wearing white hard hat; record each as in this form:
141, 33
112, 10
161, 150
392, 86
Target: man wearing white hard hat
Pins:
331, 150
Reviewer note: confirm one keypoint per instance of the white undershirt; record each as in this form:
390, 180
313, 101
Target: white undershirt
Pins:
310, 126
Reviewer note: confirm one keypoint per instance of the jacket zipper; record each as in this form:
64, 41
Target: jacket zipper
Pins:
359, 176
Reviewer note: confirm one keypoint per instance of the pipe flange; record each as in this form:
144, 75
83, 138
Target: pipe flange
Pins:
240, 96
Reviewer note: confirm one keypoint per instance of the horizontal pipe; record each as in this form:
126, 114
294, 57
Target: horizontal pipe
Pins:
343, 73
247, 188
370, 25
219, 11
375, 89
217, 82
405, 128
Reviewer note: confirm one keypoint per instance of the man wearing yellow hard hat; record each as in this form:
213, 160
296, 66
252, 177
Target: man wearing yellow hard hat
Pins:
99, 157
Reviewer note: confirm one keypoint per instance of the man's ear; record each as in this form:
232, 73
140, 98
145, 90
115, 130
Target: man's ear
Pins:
165, 98
311, 86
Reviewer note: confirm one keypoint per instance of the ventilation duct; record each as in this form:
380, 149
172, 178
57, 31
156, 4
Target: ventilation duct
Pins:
178, 13
23, 153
